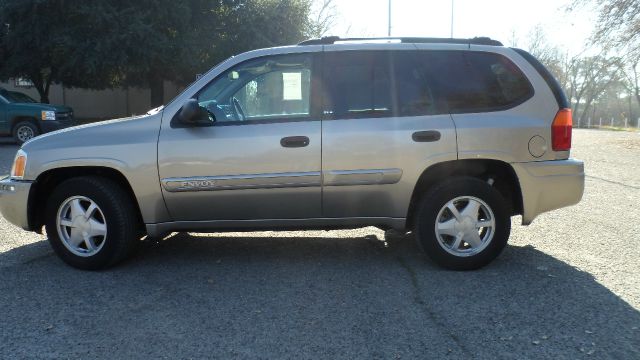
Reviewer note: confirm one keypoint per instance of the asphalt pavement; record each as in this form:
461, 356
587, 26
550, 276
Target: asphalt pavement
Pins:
567, 286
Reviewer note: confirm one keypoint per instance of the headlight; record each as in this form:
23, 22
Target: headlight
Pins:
19, 165
48, 115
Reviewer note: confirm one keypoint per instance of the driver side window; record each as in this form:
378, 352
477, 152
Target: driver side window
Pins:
267, 88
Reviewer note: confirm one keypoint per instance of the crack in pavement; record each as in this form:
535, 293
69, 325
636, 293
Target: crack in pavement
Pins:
425, 308
613, 182
37, 258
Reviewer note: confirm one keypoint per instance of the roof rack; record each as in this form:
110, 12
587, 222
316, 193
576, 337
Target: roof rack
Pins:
327, 40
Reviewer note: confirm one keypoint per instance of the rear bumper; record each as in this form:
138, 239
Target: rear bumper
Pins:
14, 196
549, 185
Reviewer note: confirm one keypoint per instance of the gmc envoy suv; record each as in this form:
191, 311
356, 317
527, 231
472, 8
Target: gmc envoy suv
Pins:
445, 138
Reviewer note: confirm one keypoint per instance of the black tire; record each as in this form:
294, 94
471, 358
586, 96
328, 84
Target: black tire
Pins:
427, 215
18, 131
119, 216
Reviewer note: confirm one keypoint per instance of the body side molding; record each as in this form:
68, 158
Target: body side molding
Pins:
361, 177
239, 182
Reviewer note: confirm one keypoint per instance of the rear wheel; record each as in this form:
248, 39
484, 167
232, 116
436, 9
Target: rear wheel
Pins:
91, 223
25, 130
463, 224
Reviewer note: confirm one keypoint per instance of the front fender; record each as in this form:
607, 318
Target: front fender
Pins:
128, 146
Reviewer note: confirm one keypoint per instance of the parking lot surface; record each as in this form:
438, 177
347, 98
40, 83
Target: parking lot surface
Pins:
567, 286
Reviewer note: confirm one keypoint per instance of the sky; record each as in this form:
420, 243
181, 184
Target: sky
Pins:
498, 19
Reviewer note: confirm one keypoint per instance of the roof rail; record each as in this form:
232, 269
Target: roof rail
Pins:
327, 40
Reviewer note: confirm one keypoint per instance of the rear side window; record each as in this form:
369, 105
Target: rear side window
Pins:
369, 84
413, 86
477, 81
358, 84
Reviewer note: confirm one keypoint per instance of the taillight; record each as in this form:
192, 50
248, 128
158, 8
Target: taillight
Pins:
561, 130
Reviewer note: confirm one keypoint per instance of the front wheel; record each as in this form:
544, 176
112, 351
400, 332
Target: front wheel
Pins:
463, 224
24, 131
91, 222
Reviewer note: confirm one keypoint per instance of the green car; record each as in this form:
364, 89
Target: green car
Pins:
24, 118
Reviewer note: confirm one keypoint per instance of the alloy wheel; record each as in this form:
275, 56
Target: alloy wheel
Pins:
465, 226
81, 226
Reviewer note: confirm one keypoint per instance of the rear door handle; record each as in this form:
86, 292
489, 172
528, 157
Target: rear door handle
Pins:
426, 136
294, 141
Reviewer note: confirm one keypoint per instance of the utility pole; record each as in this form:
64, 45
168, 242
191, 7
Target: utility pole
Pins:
389, 33
452, 1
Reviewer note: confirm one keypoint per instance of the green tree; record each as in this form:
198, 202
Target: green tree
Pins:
37, 43
106, 43
176, 41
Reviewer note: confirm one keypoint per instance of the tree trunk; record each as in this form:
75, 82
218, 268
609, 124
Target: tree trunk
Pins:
44, 95
156, 85
637, 94
636, 90
41, 87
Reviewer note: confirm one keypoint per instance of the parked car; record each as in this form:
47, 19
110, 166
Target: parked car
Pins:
24, 118
442, 137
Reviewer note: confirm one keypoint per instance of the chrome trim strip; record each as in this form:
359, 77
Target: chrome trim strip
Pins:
361, 177
239, 182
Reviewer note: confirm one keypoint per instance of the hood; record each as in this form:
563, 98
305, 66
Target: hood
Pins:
95, 134
40, 107
58, 108
120, 143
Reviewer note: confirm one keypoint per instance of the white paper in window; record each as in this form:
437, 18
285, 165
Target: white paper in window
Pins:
292, 86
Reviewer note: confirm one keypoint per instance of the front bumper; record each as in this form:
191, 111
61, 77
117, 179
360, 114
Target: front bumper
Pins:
14, 197
549, 185
53, 125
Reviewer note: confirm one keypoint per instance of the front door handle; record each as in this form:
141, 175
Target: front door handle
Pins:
294, 141
426, 136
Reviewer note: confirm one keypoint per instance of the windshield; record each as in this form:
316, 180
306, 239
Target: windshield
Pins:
20, 97
16, 97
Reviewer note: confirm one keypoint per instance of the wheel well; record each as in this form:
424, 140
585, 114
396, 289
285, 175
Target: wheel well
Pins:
18, 119
504, 178
49, 180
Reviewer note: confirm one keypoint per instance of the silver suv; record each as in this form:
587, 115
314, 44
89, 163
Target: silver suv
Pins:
447, 138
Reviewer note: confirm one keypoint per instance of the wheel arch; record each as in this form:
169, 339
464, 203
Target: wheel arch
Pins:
19, 118
48, 180
504, 178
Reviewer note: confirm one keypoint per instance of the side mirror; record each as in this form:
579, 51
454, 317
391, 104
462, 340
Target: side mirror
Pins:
192, 114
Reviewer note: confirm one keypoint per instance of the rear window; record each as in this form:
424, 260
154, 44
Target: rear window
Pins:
477, 81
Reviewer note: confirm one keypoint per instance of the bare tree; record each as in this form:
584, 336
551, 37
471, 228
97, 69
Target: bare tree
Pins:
540, 47
513, 39
551, 56
618, 27
589, 77
631, 75
324, 14
585, 79
618, 23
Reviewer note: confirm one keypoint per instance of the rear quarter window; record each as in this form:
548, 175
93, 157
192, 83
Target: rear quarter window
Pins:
471, 81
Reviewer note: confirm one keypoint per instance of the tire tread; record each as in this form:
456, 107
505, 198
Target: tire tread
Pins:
449, 189
122, 220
